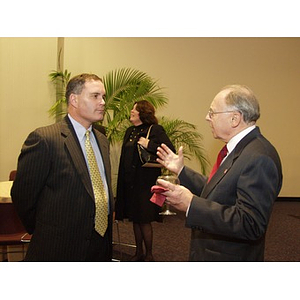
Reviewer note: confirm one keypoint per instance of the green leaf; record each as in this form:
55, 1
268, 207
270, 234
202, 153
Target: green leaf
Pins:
184, 134
123, 88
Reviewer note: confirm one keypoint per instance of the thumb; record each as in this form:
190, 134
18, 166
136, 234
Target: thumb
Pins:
180, 151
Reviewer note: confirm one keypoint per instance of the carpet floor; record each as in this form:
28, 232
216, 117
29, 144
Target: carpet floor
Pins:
171, 238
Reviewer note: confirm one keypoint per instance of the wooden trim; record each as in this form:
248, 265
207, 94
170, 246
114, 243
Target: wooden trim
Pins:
290, 199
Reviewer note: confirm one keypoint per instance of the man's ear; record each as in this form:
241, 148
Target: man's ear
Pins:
73, 100
236, 119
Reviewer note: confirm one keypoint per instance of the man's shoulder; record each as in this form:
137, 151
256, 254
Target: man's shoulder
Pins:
48, 129
52, 131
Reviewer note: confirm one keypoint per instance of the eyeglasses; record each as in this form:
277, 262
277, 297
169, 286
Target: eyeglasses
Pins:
211, 112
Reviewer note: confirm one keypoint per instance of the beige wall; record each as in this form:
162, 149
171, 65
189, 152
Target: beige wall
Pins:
25, 93
192, 70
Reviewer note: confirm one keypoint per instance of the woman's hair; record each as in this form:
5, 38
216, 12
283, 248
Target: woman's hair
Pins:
147, 112
242, 99
76, 84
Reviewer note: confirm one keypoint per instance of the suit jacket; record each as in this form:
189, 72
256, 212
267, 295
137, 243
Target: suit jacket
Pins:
53, 194
230, 215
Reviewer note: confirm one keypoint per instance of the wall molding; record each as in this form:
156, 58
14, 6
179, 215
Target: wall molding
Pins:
290, 199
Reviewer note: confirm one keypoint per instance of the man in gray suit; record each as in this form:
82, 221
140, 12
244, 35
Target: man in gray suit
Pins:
229, 213
53, 192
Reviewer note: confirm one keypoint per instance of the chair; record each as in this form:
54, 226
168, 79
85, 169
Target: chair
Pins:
12, 175
12, 231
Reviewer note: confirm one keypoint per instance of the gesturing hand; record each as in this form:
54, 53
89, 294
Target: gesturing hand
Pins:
169, 159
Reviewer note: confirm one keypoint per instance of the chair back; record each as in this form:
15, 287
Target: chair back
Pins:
12, 175
10, 222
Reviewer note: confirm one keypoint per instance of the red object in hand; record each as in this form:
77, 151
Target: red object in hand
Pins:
157, 197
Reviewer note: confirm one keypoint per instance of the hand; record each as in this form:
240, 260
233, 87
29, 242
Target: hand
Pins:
144, 142
169, 159
177, 195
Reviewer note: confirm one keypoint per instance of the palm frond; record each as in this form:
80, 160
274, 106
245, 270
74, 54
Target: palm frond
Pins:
58, 108
60, 80
184, 134
123, 88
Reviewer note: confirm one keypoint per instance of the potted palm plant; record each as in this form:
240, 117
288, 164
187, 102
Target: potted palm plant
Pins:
60, 80
123, 88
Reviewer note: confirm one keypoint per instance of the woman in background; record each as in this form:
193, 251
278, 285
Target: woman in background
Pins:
135, 182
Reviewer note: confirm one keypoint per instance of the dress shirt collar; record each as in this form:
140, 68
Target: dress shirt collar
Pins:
236, 139
79, 129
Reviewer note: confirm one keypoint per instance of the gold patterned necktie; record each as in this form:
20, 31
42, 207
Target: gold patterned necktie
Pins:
98, 188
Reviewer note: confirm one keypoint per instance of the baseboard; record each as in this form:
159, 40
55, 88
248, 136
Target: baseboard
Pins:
290, 199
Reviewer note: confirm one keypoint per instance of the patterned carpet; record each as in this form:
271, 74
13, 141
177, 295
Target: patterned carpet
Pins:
171, 237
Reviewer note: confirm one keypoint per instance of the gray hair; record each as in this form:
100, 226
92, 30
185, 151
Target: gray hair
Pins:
242, 99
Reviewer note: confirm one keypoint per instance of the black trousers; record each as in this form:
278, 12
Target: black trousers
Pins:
99, 249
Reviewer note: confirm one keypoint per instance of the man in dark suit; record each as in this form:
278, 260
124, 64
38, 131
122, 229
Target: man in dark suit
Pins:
229, 213
53, 191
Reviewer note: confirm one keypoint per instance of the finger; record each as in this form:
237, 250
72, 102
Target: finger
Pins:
162, 162
162, 183
166, 148
180, 151
165, 184
161, 152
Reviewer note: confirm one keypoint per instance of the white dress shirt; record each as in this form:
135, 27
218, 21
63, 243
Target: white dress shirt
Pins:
237, 138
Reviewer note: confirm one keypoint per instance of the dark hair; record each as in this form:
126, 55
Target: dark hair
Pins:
147, 112
76, 84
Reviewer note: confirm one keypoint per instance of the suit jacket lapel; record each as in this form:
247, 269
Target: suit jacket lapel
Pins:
221, 172
74, 149
229, 161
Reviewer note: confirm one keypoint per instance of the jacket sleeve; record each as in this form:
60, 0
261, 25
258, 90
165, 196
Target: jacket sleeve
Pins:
32, 170
192, 180
241, 204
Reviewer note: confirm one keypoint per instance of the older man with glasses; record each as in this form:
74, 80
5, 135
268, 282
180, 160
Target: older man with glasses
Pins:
229, 211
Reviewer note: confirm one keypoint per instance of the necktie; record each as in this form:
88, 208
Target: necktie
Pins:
220, 157
98, 188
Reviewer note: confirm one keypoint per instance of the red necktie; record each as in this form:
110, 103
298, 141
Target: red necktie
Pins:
221, 156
